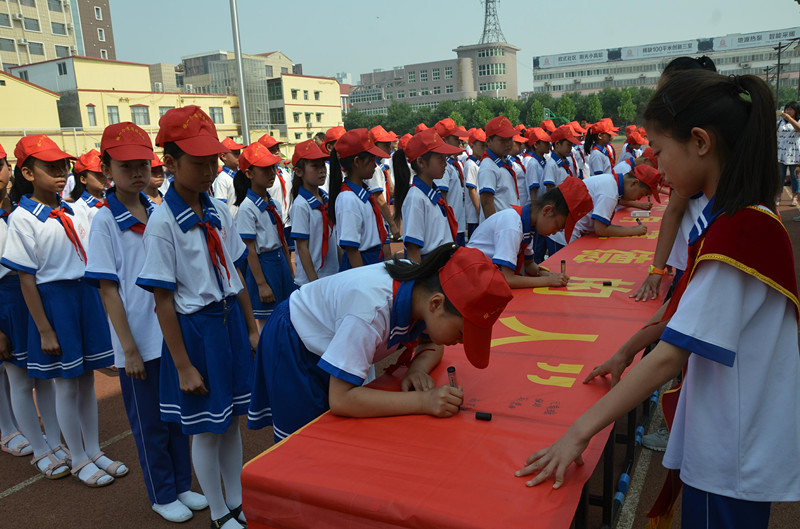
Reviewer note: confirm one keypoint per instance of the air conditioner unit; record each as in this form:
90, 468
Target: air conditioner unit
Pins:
609, 77
642, 76
70, 25
158, 87
308, 125
23, 42
73, 49
18, 16
576, 81
745, 65
64, 3
189, 89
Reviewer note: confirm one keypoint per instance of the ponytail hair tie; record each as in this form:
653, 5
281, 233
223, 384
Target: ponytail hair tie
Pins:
740, 90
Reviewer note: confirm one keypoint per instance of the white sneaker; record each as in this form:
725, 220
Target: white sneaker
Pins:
173, 512
656, 441
193, 500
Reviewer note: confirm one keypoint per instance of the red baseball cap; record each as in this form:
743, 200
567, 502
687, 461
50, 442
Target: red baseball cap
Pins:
538, 134
420, 127
637, 139
642, 131
379, 134
257, 154
476, 135
126, 141
428, 141
520, 127
40, 147
232, 145
2, 152
548, 125
356, 141
156, 162
564, 132
651, 177
447, 127
578, 200
464, 132
500, 126
603, 126
651, 155
478, 290
403, 143
576, 127
629, 129
333, 134
88, 162
268, 141
308, 150
190, 129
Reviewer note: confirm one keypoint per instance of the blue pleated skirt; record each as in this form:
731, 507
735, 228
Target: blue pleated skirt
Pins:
371, 256
14, 319
279, 277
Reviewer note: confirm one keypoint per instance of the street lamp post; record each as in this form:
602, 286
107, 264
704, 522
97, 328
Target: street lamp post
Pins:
237, 49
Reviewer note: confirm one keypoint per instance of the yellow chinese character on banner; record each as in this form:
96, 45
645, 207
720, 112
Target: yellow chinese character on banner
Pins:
645, 220
651, 234
529, 334
562, 382
587, 287
614, 256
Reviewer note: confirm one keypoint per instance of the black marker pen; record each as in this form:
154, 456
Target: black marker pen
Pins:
451, 374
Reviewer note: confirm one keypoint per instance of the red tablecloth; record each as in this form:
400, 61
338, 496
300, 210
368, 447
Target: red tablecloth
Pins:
424, 472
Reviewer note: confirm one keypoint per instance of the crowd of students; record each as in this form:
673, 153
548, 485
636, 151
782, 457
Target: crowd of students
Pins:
179, 273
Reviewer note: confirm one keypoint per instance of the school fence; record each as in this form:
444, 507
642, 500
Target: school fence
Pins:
458, 473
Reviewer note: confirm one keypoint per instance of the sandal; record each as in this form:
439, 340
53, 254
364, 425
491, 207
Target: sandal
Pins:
22, 449
112, 469
50, 471
236, 513
68, 457
93, 480
219, 522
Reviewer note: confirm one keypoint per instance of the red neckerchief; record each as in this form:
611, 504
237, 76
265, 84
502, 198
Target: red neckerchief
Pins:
457, 165
136, 228
326, 228
382, 233
608, 154
451, 218
69, 228
508, 168
276, 220
215, 248
283, 185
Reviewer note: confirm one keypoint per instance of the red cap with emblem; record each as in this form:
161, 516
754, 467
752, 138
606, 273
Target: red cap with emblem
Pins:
564, 132
477, 135
580, 204
379, 134
232, 145
355, 142
88, 162
333, 134
403, 142
308, 150
127, 141
257, 154
548, 125
447, 127
650, 177
190, 129
268, 141
537, 134
428, 141
651, 156
500, 126
156, 162
40, 147
420, 127
2, 152
634, 138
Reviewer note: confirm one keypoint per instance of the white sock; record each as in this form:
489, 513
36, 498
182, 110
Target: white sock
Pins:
205, 460
68, 419
24, 409
7, 423
46, 402
230, 462
87, 411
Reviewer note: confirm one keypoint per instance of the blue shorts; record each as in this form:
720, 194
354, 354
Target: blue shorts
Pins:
218, 346
76, 314
289, 389
279, 277
370, 256
704, 510
14, 319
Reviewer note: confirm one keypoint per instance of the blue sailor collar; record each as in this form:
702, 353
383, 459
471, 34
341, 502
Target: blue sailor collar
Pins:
474, 158
4, 215
313, 201
260, 203
360, 192
620, 184
228, 171
561, 162
39, 210
432, 193
702, 223
526, 219
539, 159
125, 220
601, 148
402, 330
185, 216
499, 162
89, 199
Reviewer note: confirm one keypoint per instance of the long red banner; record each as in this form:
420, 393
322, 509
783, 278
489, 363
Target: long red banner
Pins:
423, 472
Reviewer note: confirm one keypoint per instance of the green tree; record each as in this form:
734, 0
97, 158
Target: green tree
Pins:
355, 119
510, 111
610, 99
482, 114
566, 108
535, 113
456, 116
626, 110
594, 110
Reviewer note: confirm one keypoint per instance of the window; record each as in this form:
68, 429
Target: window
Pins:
31, 24
62, 68
104, 54
217, 115
101, 34
92, 117
36, 48
389, 95
492, 69
296, 117
5, 20
23, 75
308, 117
139, 115
435, 74
113, 115
423, 76
275, 90
284, 70
425, 92
62, 51
163, 110
54, 5
268, 70
412, 93
437, 90
448, 72
236, 114
58, 28
401, 94
308, 135
277, 116
448, 89
317, 94
412, 77
319, 117
298, 135
7, 45
305, 95
294, 93
98, 13
29, 3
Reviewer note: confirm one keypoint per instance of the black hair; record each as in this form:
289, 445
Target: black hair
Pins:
80, 187
173, 150
21, 186
425, 274
689, 63
555, 198
336, 177
297, 181
739, 111
241, 184
590, 140
794, 105
105, 159
319, 136
402, 179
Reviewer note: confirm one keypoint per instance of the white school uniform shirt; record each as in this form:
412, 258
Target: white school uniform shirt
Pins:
352, 321
535, 173
522, 181
556, 170
605, 190
116, 253
470, 182
69, 186
495, 177
737, 425
581, 161
356, 226
679, 254
89, 204
223, 189
37, 244
501, 236
377, 183
599, 162
4, 271
307, 224
453, 191
282, 195
254, 222
177, 255
326, 185
424, 221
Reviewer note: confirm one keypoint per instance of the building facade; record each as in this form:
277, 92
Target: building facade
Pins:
197, 74
590, 71
480, 69
96, 34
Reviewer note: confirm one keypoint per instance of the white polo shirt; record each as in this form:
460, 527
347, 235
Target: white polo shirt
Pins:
377, 184
470, 182
89, 204
37, 244
534, 169
282, 194
680, 249
599, 163
424, 221
605, 190
254, 222
496, 176
556, 170
116, 253
349, 321
356, 225
453, 190
307, 224
4, 271
501, 236
177, 255
581, 161
737, 426
522, 181
224, 191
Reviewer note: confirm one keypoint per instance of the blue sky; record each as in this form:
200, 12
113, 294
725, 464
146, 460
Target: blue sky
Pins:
357, 36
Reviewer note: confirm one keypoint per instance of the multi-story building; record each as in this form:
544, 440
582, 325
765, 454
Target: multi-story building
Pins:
197, 68
479, 69
164, 77
37, 115
37, 30
590, 71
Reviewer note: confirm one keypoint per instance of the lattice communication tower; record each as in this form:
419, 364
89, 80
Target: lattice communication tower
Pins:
491, 25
